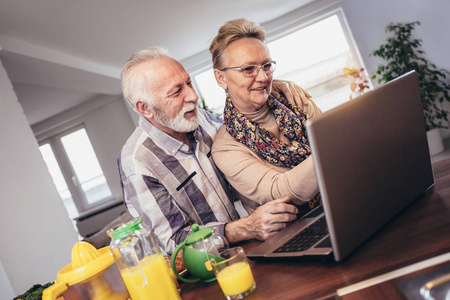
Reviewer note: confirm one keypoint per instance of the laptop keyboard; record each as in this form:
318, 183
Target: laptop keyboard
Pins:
306, 238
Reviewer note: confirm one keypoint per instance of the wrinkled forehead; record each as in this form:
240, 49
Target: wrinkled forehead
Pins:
246, 51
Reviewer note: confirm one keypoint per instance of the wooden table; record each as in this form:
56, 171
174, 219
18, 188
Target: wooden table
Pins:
420, 232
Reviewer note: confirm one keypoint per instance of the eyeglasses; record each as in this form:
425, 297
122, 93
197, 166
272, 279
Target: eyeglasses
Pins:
253, 70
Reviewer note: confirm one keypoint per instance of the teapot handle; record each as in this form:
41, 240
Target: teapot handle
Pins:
174, 269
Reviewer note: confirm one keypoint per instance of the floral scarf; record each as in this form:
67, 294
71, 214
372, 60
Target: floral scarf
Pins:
291, 122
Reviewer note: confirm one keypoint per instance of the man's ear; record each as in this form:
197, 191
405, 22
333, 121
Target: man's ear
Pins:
220, 78
143, 108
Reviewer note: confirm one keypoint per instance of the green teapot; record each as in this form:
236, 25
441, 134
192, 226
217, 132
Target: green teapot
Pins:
199, 248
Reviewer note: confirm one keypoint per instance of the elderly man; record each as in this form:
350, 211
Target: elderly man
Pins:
167, 172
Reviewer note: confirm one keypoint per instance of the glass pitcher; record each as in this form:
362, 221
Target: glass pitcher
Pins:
142, 266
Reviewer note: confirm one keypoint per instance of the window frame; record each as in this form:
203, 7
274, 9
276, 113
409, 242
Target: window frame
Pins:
53, 138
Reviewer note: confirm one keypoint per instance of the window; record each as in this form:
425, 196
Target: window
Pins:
75, 170
313, 55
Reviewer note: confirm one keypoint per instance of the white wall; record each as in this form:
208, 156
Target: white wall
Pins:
368, 20
6, 290
36, 234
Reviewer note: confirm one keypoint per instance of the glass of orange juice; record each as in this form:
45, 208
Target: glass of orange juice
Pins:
234, 274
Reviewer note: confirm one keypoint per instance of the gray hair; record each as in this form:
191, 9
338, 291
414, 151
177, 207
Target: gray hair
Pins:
133, 83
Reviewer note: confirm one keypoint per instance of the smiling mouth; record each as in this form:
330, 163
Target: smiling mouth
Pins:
263, 88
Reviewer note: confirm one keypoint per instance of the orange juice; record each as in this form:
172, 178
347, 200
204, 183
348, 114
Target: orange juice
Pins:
172, 274
159, 283
236, 279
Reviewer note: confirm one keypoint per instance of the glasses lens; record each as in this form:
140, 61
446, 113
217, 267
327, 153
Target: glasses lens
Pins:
250, 70
269, 67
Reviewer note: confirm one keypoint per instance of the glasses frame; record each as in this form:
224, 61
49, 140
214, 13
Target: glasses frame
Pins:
258, 68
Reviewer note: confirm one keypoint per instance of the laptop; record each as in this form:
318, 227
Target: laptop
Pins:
371, 160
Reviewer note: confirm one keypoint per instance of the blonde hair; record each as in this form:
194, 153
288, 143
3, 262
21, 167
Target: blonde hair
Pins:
230, 32
133, 83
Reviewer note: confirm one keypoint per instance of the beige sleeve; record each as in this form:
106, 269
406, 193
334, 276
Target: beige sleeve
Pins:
311, 109
257, 180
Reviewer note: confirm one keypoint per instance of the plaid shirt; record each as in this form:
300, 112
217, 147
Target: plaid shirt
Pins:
172, 187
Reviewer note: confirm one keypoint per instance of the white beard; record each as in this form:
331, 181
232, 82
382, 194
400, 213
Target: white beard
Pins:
179, 123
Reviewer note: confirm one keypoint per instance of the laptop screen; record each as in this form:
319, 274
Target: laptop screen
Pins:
371, 159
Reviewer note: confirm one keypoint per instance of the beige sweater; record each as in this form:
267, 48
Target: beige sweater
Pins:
257, 181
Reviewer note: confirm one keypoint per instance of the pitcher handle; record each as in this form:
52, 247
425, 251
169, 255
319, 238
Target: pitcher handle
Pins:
54, 291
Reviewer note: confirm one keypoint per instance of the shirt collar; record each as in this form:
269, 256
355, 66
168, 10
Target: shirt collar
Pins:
163, 139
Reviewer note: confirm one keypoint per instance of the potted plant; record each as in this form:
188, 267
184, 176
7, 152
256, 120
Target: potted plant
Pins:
402, 53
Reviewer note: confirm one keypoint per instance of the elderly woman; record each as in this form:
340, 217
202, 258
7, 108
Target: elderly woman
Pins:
262, 148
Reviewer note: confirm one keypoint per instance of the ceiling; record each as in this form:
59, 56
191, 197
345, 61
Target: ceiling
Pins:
61, 53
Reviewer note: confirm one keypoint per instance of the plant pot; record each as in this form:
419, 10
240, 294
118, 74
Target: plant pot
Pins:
435, 143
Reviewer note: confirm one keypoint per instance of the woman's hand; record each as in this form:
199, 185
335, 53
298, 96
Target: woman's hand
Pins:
293, 93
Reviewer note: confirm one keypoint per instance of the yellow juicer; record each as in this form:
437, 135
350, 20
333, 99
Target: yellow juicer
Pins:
92, 275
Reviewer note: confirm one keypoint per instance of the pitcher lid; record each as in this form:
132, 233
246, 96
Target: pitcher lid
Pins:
198, 234
126, 229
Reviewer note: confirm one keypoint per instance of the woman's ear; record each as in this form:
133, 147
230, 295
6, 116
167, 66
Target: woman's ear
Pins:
144, 109
220, 78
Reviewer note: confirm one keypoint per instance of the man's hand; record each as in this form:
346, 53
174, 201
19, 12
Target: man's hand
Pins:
264, 222
272, 217
293, 93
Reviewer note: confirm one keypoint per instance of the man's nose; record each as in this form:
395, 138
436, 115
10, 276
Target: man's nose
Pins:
191, 95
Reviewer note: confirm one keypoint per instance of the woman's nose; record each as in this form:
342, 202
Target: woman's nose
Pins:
261, 75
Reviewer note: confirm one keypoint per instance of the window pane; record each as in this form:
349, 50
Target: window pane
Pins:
213, 94
314, 57
86, 166
58, 180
